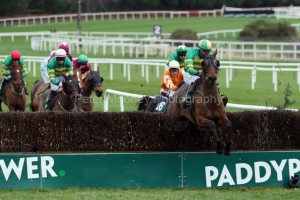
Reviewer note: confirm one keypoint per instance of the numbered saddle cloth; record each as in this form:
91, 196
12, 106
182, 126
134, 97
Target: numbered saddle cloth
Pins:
161, 104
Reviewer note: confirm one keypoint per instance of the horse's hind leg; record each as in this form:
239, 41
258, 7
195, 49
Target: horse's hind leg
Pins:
228, 138
212, 128
0, 106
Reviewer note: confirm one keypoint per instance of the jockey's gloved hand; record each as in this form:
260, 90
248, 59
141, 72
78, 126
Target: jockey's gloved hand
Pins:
6, 74
59, 84
24, 74
198, 74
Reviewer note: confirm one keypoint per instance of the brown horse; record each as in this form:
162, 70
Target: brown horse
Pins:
207, 109
15, 97
65, 99
92, 82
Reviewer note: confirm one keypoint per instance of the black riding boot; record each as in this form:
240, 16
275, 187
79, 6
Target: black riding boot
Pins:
224, 97
3, 86
49, 100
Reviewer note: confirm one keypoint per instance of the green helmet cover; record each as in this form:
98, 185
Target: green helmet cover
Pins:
83, 58
182, 49
205, 45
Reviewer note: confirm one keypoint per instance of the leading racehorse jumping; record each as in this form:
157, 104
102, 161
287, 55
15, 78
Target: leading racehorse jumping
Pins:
14, 96
207, 108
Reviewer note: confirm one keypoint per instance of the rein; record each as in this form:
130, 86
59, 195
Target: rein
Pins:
207, 95
13, 89
17, 93
63, 107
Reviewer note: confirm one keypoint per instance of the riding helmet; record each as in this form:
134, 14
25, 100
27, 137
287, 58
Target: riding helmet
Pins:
60, 53
82, 58
182, 49
15, 55
205, 45
174, 65
64, 46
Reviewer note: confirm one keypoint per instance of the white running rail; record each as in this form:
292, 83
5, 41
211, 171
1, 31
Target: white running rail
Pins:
125, 94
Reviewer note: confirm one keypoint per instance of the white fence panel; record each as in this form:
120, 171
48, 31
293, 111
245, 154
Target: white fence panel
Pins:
125, 94
34, 63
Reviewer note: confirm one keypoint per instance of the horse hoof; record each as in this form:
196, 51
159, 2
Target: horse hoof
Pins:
227, 153
219, 151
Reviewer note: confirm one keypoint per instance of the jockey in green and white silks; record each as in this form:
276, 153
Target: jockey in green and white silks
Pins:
56, 67
15, 56
179, 56
193, 70
193, 61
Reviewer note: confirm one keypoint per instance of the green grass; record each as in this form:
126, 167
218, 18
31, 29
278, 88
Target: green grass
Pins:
239, 92
275, 193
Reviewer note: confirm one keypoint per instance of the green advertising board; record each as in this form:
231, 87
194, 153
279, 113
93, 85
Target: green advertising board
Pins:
148, 170
240, 169
105, 170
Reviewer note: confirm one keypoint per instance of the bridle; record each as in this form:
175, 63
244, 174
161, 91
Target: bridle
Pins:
15, 83
68, 94
205, 77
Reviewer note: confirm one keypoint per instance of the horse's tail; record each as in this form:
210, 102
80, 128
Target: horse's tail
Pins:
144, 101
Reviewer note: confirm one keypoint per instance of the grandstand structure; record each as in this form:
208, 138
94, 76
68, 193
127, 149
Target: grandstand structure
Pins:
290, 12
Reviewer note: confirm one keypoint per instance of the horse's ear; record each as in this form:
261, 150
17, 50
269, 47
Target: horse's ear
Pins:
64, 75
98, 69
215, 53
203, 54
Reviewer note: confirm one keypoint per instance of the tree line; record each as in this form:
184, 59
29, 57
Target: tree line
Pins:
30, 7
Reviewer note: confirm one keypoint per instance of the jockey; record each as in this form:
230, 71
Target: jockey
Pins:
56, 67
82, 64
193, 69
65, 47
15, 56
44, 71
179, 56
171, 79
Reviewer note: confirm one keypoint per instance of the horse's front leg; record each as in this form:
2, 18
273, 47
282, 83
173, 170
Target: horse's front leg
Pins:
11, 108
228, 125
0, 106
212, 128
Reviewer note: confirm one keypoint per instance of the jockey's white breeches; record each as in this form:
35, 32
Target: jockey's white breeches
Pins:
58, 79
188, 79
167, 93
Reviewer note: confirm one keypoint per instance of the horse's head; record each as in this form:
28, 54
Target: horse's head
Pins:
210, 66
71, 87
16, 75
95, 82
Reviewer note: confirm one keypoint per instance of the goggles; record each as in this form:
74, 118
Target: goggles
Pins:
16, 59
80, 63
60, 58
181, 54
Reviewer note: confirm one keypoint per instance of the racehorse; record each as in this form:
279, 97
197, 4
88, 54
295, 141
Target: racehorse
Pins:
156, 104
92, 82
65, 99
14, 97
207, 108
